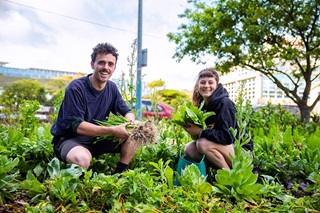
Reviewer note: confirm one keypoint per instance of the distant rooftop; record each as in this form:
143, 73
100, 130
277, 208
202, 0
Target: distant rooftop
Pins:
33, 72
2, 63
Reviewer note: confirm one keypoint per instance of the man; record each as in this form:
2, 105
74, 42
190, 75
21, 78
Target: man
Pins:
86, 100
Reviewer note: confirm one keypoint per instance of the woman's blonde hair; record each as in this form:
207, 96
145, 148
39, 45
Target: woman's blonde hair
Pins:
208, 72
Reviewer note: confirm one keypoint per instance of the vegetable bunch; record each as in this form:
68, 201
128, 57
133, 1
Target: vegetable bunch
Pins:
140, 132
189, 113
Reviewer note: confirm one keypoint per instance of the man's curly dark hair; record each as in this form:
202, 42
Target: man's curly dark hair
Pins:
104, 48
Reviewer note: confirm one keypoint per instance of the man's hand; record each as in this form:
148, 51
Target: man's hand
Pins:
130, 117
120, 132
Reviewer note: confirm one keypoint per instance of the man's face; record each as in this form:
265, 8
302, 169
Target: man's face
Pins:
103, 67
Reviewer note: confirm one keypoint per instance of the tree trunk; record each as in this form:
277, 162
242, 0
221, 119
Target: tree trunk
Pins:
305, 114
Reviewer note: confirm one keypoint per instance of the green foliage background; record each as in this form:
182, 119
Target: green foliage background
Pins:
281, 175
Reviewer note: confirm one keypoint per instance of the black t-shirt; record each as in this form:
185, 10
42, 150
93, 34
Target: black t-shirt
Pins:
83, 103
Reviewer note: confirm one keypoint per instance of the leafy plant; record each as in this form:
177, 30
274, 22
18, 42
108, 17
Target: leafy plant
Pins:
34, 187
192, 180
166, 172
190, 113
7, 176
239, 182
27, 119
127, 87
34, 152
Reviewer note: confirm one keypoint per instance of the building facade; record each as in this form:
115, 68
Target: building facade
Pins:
33, 72
260, 90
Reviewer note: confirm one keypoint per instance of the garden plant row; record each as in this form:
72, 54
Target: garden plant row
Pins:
280, 175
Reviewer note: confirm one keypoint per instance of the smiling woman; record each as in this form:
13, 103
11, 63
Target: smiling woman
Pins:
216, 140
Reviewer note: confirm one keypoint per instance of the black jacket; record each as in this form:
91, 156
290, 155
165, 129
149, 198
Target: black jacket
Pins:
219, 124
224, 118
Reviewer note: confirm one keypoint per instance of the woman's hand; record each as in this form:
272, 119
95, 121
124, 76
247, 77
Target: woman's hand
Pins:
193, 129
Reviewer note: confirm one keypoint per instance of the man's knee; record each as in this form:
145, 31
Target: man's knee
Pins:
80, 156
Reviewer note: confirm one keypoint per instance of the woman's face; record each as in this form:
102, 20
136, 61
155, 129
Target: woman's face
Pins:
207, 85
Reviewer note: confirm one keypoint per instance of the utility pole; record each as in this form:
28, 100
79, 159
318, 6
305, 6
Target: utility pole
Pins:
142, 61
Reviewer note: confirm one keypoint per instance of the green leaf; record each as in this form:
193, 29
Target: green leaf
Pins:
247, 178
222, 189
54, 167
7, 164
32, 184
169, 175
38, 170
194, 116
205, 188
155, 165
6, 181
224, 177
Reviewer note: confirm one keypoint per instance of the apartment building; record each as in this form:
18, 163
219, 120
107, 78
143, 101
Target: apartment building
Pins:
260, 90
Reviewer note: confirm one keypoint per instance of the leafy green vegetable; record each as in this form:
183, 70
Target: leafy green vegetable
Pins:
7, 177
189, 113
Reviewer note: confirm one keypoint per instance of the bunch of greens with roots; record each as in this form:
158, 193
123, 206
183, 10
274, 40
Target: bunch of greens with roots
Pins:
140, 132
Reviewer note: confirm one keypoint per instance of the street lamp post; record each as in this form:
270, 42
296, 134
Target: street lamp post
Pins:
141, 62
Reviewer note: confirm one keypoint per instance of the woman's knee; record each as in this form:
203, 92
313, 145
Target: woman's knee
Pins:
202, 146
189, 149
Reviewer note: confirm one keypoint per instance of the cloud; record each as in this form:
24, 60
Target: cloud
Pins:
61, 34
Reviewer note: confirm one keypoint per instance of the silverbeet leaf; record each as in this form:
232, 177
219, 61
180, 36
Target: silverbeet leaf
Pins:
189, 113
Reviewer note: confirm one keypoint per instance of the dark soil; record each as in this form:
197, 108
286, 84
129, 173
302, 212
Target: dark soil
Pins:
17, 205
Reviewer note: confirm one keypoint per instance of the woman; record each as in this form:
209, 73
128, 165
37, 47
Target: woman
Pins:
215, 142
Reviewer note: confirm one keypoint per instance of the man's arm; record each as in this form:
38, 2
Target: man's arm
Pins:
86, 128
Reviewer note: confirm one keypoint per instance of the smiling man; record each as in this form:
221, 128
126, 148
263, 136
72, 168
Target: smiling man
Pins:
86, 100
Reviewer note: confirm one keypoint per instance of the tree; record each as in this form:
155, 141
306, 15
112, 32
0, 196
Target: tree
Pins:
155, 98
174, 98
25, 89
61, 82
56, 87
156, 84
269, 36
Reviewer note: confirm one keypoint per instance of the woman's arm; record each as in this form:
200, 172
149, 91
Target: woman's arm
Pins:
225, 119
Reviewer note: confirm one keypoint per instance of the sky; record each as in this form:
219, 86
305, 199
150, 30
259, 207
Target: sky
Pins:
60, 35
